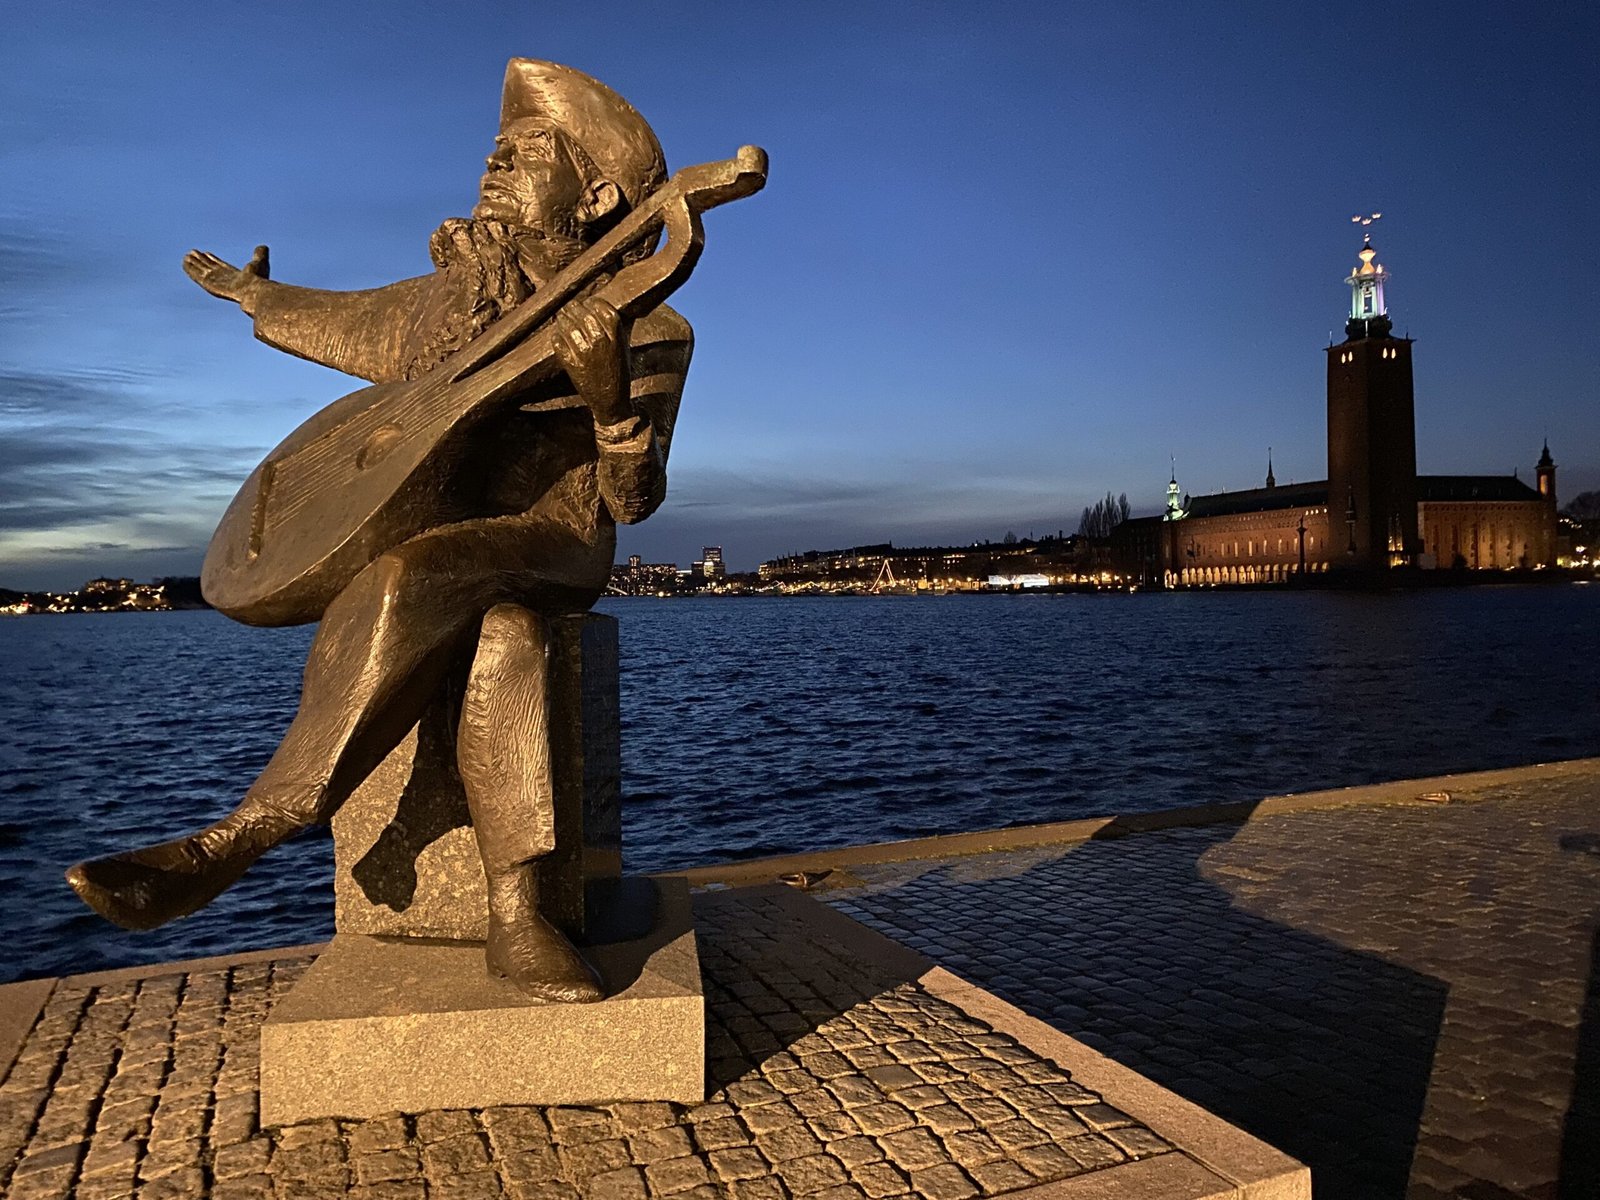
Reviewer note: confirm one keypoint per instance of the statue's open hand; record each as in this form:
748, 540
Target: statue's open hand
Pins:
223, 278
591, 343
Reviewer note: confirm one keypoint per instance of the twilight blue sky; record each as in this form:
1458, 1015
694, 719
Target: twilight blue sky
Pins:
1010, 256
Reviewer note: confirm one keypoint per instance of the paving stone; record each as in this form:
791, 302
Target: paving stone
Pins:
943, 1182
180, 1185
675, 1175
670, 1141
811, 1173
480, 1185
768, 1117
530, 1166
831, 1126
541, 1189
1137, 1141
913, 1149
584, 1160
630, 1118
987, 1110
752, 1092
869, 1056
855, 1091
1004, 1176
792, 1141
385, 1166
309, 1133
913, 1051
624, 1183
738, 1162
1059, 1123
789, 1082
459, 1153
708, 1112
945, 1119
941, 1073
235, 1118
883, 1118
390, 1190
827, 1064
814, 1102
1015, 1134
882, 1179
1041, 1072
1046, 1161
768, 1187
920, 1096
893, 1076
243, 1187
511, 1130
719, 1134
855, 1152
974, 1148
1102, 1116
1070, 1093
569, 1125
242, 1158
1092, 1151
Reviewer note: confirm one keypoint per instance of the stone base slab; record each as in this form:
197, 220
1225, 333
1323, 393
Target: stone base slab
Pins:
382, 1025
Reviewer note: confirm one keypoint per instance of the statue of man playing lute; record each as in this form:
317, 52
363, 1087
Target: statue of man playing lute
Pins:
523, 403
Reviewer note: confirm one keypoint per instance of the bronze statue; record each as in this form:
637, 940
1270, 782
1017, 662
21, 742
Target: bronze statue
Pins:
523, 403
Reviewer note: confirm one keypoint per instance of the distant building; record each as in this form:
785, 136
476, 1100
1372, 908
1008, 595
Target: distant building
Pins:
639, 578
1373, 513
709, 565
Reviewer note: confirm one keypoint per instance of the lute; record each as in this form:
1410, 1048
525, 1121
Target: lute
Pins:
370, 470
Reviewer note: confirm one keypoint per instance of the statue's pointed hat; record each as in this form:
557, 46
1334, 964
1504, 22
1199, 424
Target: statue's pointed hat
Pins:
609, 129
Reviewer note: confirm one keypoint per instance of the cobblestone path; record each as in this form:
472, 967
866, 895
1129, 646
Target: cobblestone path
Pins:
831, 1077
1403, 997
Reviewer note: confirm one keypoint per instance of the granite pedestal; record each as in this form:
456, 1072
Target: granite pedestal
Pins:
405, 860
400, 1013
382, 1025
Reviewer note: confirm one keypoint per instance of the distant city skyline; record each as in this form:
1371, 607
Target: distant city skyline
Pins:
1008, 259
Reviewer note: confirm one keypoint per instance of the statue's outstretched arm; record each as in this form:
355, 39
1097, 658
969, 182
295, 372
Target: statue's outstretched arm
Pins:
360, 333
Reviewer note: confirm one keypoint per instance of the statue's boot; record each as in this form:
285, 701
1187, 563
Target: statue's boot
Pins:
141, 889
528, 950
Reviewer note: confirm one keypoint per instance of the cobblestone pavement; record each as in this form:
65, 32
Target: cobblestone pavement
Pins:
1403, 997
833, 1078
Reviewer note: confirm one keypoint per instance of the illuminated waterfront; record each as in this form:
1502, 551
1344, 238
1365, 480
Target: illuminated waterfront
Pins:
767, 725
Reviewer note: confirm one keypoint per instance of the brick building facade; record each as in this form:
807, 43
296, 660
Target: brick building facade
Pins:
1373, 513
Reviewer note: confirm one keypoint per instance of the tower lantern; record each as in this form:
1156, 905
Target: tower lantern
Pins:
1369, 314
1545, 472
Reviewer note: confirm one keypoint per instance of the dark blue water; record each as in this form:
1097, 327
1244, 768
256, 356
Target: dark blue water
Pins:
759, 726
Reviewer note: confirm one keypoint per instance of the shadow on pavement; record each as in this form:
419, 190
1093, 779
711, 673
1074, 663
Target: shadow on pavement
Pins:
1580, 1135
1319, 1050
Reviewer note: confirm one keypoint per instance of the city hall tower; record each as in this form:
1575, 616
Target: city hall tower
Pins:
1372, 438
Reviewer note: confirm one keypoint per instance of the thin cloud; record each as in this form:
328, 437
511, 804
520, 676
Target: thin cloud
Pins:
54, 477
88, 486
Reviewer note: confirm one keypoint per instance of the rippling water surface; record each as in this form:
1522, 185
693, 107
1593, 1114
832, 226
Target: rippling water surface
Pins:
759, 726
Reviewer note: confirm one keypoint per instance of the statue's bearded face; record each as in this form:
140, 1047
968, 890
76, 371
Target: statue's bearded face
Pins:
534, 181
